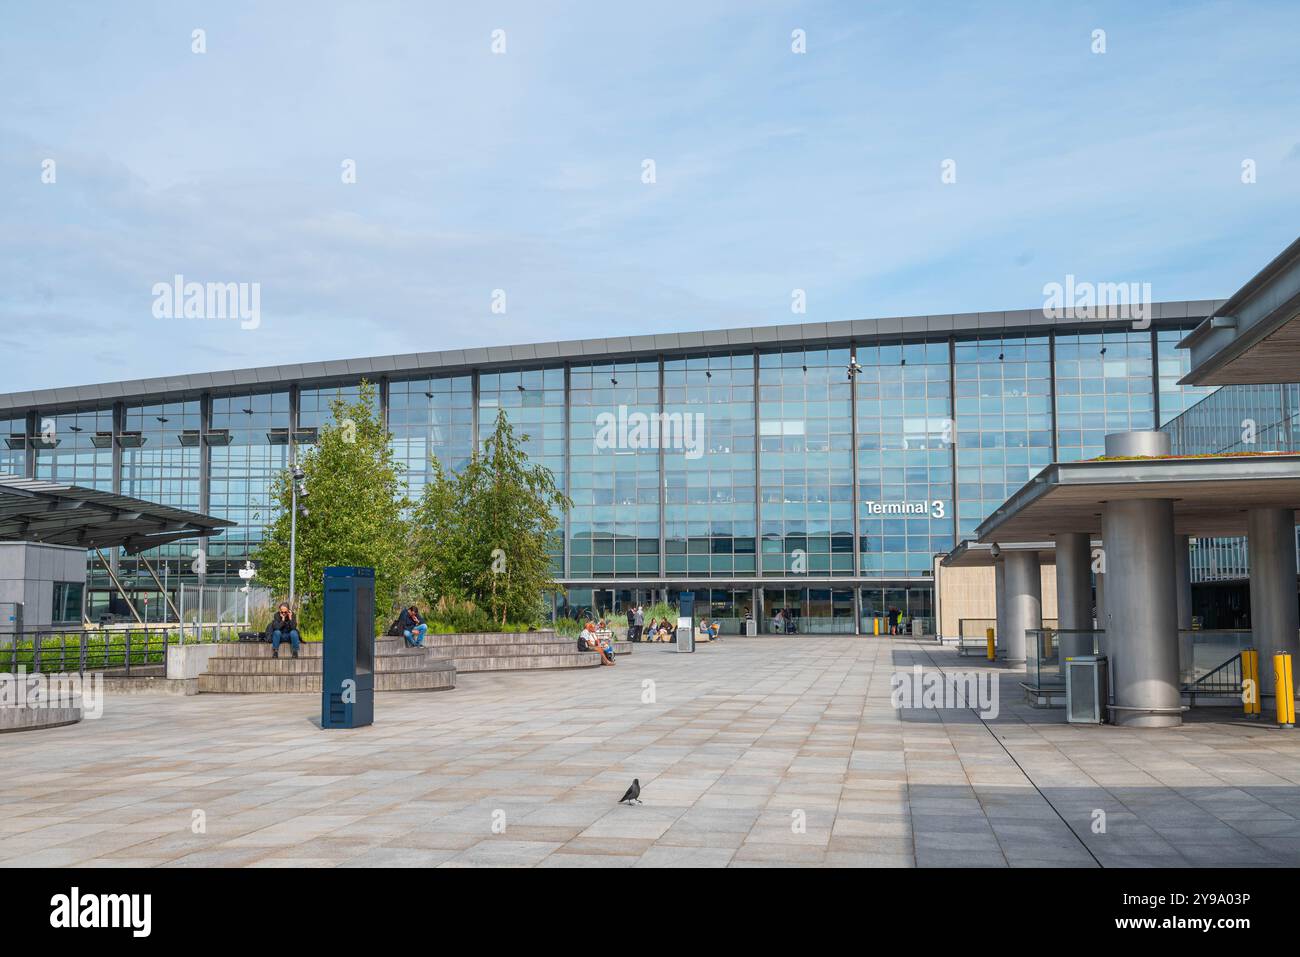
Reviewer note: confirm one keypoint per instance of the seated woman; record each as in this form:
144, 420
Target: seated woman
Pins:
590, 641
413, 629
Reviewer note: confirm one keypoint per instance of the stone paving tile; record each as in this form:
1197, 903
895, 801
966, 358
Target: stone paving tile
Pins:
744, 737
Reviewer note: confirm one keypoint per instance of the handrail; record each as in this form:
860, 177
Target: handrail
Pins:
1232, 685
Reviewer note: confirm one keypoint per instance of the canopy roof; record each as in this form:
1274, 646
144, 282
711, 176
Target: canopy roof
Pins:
1210, 494
32, 510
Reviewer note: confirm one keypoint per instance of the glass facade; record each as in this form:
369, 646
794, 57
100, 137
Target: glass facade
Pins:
249, 448
431, 418
805, 438
614, 453
76, 448
820, 478
13, 445
533, 401
1003, 420
1103, 385
904, 441
709, 509
1235, 418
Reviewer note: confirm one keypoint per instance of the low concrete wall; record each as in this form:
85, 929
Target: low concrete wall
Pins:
189, 661
151, 684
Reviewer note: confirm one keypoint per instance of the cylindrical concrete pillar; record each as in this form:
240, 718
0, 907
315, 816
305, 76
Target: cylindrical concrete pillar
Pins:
1273, 610
1074, 592
1023, 601
1000, 597
1141, 612
1183, 581
1099, 609
1138, 443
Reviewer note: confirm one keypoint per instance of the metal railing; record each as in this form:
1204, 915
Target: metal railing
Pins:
1043, 666
127, 651
1223, 680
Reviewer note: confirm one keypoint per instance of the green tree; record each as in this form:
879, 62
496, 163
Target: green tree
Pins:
483, 534
354, 511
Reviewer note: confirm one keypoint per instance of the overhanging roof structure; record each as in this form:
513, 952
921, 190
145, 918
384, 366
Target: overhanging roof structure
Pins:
1210, 494
1254, 337
32, 510
970, 554
454, 361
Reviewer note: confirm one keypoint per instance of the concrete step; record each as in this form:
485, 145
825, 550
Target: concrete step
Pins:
497, 638
439, 678
287, 665
505, 650
476, 664
306, 649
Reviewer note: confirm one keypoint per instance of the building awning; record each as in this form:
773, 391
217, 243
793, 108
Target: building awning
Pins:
32, 510
970, 554
1211, 494
1254, 337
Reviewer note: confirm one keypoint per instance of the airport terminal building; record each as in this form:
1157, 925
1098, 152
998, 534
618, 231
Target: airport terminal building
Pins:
815, 467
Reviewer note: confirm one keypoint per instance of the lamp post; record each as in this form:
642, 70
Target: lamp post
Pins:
246, 573
299, 487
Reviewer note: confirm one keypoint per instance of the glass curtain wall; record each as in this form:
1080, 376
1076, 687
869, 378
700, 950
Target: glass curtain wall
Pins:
533, 401
614, 451
806, 463
1103, 385
904, 448
76, 448
709, 522
249, 447
431, 418
1004, 421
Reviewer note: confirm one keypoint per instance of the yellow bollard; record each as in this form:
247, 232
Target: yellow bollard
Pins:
875, 626
988, 635
1284, 690
1250, 681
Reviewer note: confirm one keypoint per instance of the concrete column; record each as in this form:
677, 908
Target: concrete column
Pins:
1273, 609
1074, 592
1023, 601
1000, 595
1183, 581
1141, 612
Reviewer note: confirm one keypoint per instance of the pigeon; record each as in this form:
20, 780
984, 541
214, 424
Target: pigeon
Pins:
633, 795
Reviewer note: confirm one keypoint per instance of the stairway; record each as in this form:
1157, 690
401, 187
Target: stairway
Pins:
524, 651
248, 668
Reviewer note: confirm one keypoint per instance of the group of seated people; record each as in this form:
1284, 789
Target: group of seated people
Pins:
660, 630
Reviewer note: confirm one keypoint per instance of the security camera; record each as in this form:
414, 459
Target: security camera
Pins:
996, 550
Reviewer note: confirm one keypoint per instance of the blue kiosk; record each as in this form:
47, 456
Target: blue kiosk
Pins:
348, 669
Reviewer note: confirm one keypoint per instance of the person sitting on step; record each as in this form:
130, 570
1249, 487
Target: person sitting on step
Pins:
283, 625
590, 641
413, 628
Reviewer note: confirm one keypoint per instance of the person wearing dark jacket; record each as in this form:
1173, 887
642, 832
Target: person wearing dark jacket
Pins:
283, 625
413, 629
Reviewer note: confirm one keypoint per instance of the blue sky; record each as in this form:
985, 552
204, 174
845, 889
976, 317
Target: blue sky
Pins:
522, 171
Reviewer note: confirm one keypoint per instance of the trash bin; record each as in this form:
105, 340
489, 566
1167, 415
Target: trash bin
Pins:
685, 636
751, 628
1087, 694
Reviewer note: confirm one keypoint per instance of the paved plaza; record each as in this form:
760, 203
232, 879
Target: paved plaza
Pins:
753, 752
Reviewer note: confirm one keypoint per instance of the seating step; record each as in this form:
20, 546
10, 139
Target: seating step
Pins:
287, 665
473, 665
429, 679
